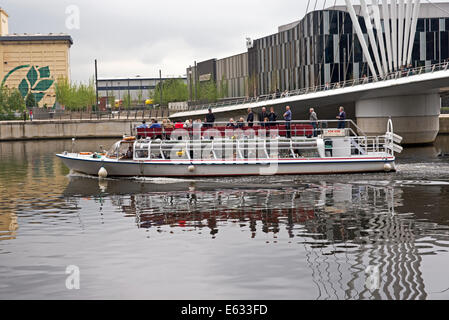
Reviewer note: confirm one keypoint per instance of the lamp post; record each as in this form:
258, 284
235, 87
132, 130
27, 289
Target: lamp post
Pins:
160, 86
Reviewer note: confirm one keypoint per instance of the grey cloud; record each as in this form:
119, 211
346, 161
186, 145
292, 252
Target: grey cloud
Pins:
140, 37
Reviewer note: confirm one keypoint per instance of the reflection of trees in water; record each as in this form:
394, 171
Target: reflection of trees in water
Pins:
344, 229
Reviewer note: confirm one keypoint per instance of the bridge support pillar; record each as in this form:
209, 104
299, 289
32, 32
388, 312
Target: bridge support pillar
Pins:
415, 117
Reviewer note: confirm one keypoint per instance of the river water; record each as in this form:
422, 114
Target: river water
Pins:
364, 236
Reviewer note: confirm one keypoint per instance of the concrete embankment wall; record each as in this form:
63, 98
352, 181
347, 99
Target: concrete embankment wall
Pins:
444, 124
64, 129
67, 129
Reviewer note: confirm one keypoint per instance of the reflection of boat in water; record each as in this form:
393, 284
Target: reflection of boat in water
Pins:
344, 229
248, 152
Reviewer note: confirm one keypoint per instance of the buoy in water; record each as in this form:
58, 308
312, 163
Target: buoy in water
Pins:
102, 173
388, 167
191, 168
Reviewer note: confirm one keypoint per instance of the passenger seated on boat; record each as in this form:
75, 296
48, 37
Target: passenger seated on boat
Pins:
155, 124
143, 125
241, 123
129, 154
231, 124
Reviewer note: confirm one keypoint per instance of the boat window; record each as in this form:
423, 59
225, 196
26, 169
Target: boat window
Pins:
155, 150
126, 150
114, 150
141, 150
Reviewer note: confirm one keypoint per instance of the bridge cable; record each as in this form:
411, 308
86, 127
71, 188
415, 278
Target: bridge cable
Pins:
307, 10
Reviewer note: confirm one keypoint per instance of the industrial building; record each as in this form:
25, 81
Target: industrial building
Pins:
33, 63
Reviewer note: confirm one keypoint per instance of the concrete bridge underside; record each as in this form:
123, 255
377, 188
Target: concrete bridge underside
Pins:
413, 103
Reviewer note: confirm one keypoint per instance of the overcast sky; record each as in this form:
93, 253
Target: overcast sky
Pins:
139, 37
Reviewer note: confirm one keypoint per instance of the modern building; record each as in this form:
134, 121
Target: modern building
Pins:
323, 48
139, 88
33, 62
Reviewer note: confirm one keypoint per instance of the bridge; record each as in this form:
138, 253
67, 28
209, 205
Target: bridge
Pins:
411, 97
405, 77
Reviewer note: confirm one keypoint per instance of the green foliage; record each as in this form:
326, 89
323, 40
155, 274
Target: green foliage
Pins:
76, 96
208, 91
127, 101
223, 91
173, 90
11, 101
111, 101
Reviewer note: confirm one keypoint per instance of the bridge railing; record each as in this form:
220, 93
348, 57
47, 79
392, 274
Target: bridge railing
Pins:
405, 72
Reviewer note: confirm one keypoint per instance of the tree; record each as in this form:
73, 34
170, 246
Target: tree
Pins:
63, 91
173, 90
11, 101
30, 101
111, 101
223, 91
127, 101
15, 101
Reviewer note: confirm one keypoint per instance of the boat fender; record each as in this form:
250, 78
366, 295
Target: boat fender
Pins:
102, 173
191, 168
388, 167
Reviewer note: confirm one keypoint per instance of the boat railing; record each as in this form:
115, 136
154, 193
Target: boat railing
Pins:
261, 148
295, 128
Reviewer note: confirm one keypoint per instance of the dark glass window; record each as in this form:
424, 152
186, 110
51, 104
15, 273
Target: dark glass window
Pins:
358, 53
347, 24
420, 25
416, 48
430, 46
434, 25
329, 51
444, 45
447, 24
333, 23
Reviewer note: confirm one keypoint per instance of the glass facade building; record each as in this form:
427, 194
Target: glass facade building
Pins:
323, 48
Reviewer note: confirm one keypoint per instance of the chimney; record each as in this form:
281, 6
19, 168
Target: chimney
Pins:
3, 22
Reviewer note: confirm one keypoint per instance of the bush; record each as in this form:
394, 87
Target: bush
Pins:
445, 110
11, 102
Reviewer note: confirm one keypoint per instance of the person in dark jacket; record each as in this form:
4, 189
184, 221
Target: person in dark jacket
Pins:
342, 118
250, 118
262, 117
210, 119
272, 117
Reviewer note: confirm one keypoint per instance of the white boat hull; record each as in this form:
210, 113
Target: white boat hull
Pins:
161, 168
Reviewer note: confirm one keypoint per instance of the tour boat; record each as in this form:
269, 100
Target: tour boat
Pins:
250, 151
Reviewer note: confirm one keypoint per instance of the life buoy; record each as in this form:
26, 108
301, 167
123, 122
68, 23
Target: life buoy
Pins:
129, 138
85, 153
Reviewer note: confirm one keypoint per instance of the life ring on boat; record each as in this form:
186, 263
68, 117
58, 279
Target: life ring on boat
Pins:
85, 153
130, 139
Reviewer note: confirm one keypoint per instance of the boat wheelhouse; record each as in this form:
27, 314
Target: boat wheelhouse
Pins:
247, 151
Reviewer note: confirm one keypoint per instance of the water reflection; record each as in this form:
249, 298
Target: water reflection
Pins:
323, 232
343, 228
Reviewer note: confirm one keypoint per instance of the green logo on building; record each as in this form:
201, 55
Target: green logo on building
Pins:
37, 81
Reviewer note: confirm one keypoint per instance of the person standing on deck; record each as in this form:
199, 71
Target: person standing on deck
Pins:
342, 118
210, 119
272, 117
250, 118
314, 120
262, 117
288, 119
